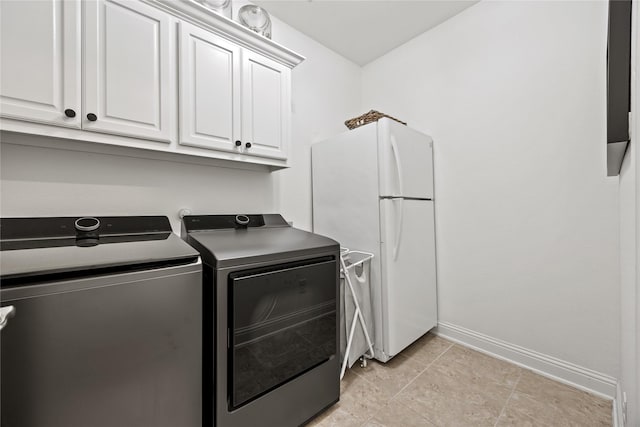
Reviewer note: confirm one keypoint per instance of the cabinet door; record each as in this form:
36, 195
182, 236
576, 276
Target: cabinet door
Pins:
266, 112
209, 90
40, 61
129, 80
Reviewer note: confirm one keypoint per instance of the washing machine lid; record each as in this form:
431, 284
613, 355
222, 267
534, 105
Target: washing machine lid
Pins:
223, 242
55, 248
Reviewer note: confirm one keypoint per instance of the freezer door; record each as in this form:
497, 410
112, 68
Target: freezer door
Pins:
408, 272
405, 161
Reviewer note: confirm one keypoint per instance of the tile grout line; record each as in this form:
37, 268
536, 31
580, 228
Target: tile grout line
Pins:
408, 358
408, 384
388, 399
421, 372
513, 390
555, 405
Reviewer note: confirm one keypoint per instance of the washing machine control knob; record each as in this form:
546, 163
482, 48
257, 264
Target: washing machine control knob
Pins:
86, 224
242, 220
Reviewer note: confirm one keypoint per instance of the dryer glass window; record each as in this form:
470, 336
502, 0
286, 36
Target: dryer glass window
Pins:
283, 323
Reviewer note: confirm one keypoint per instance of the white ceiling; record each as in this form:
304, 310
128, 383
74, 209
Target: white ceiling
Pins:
363, 30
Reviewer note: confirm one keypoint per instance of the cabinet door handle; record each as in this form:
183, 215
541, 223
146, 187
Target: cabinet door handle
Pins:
248, 145
69, 113
92, 117
238, 143
5, 314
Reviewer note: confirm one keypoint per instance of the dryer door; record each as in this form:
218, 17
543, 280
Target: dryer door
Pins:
282, 323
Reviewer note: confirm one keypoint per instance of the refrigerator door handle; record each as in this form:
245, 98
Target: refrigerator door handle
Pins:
399, 221
396, 157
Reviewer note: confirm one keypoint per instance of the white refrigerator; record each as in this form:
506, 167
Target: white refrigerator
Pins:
373, 191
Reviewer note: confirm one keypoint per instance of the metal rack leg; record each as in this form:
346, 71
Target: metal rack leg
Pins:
357, 316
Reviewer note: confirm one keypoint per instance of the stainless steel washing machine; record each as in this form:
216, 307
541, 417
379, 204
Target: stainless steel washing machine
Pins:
271, 319
101, 323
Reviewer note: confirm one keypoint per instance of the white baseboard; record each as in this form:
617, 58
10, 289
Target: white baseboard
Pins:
559, 370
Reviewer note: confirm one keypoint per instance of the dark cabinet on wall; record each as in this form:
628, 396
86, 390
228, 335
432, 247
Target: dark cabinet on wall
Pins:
618, 83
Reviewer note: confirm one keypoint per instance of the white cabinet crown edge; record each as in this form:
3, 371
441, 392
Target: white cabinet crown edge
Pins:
197, 14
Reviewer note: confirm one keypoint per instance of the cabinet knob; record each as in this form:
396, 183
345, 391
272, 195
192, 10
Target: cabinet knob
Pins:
238, 143
248, 145
69, 112
92, 117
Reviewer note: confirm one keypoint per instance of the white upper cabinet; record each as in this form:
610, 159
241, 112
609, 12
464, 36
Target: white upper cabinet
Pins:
231, 98
129, 80
164, 75
209, 90
40, 61
266, 106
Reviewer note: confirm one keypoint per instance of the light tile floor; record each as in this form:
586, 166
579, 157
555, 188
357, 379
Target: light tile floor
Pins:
437, 383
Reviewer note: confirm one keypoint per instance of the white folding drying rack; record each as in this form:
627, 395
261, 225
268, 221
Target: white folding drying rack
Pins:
357, 315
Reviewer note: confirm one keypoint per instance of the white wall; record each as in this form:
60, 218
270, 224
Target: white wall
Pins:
629, 253
49, 182
323, 98
40, 181
513, 94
